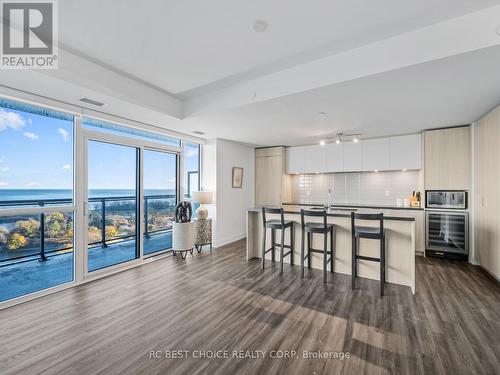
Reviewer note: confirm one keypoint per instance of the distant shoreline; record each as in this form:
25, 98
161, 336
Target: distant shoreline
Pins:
32, 194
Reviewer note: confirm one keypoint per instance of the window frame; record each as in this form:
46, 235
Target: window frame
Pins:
78, 206
66, 209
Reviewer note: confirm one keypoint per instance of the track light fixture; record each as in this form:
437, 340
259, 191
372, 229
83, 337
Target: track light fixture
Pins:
341, 137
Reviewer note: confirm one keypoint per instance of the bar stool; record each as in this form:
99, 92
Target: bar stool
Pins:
281, 224
374, 233
323, 228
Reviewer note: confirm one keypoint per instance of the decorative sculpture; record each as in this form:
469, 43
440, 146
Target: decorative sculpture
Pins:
183, 212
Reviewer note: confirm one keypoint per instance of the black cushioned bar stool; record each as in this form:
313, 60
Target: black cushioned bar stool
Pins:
374, 233
313, 227
281, 224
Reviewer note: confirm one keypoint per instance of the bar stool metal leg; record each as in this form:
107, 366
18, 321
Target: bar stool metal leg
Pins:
309, 241
292, 243
264, 248
384, 258
332, 246
382, 265
325, 254
302, 254
353, 260
273, 241
282, 249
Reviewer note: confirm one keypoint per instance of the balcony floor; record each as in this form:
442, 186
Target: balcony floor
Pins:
31, 275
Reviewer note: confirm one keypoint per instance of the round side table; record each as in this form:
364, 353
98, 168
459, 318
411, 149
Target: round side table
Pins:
182, 238
202, 233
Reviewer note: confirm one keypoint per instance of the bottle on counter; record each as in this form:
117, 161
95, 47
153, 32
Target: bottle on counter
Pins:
414, 200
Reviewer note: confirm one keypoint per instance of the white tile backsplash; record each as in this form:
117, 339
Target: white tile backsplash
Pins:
354, 188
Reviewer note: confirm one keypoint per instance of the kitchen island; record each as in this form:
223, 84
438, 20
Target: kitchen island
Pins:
400, 244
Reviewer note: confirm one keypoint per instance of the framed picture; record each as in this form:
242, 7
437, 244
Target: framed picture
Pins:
237, 177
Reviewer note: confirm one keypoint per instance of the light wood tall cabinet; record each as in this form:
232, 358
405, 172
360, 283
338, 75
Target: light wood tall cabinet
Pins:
271, 187
447, 159
487, 188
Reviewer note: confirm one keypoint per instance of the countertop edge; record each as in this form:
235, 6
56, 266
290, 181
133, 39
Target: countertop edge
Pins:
392, 218
358, 206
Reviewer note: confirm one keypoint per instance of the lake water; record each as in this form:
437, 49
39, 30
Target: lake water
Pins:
41, 194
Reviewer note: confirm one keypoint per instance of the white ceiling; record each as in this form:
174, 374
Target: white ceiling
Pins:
452, 91
199, 45
377, 67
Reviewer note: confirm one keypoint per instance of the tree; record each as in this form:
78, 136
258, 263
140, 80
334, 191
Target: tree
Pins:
4, 233
16, 241
55, 216
54, 229
69, 232
111, 231
55, 225
95, 219
94, 234
28, 228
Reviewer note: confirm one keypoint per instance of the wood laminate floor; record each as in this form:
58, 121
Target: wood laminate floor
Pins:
220, 302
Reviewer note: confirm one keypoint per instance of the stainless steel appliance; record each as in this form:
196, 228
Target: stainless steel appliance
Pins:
447, 234
446, 199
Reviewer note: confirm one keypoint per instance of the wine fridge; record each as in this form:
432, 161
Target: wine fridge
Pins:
447, 234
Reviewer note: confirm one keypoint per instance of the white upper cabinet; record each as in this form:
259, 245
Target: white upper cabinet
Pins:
315, 159
380, 154
376, 154
352, 156
406, 152
334, 157
295, 160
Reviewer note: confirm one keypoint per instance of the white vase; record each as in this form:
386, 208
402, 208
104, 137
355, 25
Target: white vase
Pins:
182, 236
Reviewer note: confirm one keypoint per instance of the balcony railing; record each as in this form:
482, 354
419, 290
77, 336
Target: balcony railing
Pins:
157, 214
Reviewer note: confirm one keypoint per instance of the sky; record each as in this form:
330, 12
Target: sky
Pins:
36, 152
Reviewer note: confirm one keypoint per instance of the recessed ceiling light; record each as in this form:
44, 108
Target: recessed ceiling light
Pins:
355, 139
338, 141
322, 113
376, 171
198, 132
404, 170
259, 26
322, 142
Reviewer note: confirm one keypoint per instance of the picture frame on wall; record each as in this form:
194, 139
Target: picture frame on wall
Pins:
237, 177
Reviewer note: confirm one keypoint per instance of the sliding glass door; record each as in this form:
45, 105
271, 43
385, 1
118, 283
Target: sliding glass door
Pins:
160, 198
132, 192
112, 196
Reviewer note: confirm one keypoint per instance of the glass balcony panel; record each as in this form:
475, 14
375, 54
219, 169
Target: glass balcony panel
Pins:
160, 199
25, 265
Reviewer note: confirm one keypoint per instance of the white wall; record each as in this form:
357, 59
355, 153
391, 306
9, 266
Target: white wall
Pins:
209, 178
229, 211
